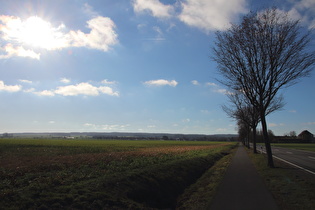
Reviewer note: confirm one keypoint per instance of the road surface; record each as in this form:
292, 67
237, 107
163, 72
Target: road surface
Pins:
299, 158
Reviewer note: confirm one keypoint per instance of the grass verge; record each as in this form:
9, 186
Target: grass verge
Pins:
307, 147
199, 195
291, 187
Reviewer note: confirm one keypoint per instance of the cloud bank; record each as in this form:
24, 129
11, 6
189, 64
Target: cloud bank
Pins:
304, 10
9, 88
154, 7
84, 88
212, 15
207, 15
25, 37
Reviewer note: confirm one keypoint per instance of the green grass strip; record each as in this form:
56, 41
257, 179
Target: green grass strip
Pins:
200, 194
308, 147
291, 187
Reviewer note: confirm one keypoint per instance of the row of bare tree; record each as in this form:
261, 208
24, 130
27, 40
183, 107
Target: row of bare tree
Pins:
257, 58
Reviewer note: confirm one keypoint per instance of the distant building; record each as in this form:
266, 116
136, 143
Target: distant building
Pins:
306, 136
7, 135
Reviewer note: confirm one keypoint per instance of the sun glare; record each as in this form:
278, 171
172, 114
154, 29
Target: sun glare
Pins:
37, 32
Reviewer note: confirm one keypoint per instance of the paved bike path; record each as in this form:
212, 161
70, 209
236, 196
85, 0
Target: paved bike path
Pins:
242, 187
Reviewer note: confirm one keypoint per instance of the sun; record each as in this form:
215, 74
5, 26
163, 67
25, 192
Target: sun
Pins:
36, 32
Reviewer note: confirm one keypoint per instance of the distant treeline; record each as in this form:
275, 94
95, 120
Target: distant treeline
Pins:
125, 136
282, 139
165, 138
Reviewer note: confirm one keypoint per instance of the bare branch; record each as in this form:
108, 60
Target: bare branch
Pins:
263, 54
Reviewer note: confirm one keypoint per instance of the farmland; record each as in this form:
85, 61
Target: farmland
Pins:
94, 174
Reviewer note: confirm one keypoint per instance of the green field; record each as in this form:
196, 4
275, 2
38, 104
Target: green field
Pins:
301, 146
94, 174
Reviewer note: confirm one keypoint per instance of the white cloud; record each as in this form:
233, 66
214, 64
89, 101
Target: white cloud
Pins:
155, 7
195, 82
294, 14
83, 89
9, 88
111, 127
10, 51
101, 36
26, 81
108, 91
304, 10
79, 89
221, 90
88, 9
30, 90
89, 124
45, 93
25, 37
161, 82
33, 31
105, 81
211, 15
211, 84
216, 88
207, 15
65, 80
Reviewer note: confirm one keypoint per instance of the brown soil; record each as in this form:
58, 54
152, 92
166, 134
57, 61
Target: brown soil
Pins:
21, 162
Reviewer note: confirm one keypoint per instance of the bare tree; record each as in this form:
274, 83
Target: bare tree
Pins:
244, 113
292, 134
266, 52
243, 132
241, 109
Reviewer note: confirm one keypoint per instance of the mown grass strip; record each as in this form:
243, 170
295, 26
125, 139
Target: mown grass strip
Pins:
307, 147
291, 187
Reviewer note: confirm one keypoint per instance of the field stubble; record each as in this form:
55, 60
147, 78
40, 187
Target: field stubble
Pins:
50, 174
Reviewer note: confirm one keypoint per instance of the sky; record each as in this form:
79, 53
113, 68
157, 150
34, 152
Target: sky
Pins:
129, 66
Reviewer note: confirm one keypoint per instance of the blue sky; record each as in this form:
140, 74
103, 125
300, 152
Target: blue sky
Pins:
128, 66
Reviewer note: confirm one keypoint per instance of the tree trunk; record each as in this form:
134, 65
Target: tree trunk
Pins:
248, 137
254, 139
267, 141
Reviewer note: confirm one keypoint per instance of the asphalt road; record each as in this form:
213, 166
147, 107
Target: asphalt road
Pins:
299, 158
